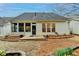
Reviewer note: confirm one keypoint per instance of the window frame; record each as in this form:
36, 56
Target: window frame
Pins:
48, 27
27, 27
14, 27
53, 27
43, 27
21, 29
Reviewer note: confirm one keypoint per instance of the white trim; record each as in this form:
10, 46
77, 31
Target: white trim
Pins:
17, 27
46, 27
50, 27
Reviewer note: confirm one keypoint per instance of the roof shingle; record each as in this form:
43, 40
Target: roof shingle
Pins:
40, 16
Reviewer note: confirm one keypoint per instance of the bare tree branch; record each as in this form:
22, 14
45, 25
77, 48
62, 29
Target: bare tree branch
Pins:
67, 9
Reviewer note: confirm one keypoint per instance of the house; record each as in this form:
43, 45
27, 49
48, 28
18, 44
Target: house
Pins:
31, 23
5, 26
74, 26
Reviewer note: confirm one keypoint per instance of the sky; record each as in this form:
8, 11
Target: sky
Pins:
15, 9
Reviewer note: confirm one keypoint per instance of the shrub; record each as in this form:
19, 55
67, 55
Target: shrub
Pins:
63, 52
2, 53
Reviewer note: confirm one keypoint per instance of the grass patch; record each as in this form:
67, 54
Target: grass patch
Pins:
2, 53
63, 52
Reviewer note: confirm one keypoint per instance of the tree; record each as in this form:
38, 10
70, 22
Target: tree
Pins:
67, 9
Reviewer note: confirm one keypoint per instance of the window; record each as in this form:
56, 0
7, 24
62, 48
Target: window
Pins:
53, 27
14, 27
28, 27
21, 27
48, 27
43, 27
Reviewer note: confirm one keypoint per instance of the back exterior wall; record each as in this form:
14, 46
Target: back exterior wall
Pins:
60, 27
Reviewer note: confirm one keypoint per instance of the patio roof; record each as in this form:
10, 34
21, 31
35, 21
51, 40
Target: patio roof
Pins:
39, 16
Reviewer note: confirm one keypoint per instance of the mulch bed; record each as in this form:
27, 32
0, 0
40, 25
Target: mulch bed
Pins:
17, 38
12, 38
60, 36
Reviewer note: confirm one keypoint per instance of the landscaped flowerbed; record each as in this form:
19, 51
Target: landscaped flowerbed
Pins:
17, 38
59, 36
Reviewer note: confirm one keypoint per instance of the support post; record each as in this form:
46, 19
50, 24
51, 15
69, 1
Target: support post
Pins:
46, 27
17, 27
51, 27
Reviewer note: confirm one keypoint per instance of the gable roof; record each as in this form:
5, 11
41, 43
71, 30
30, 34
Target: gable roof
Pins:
40, 16
33, 16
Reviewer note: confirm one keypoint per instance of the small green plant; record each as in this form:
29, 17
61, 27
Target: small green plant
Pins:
63, 52
2, 53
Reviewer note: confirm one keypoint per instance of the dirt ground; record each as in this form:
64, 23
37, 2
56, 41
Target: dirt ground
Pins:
39, 47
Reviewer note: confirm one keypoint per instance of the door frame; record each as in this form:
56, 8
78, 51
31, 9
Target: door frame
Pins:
34, 30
